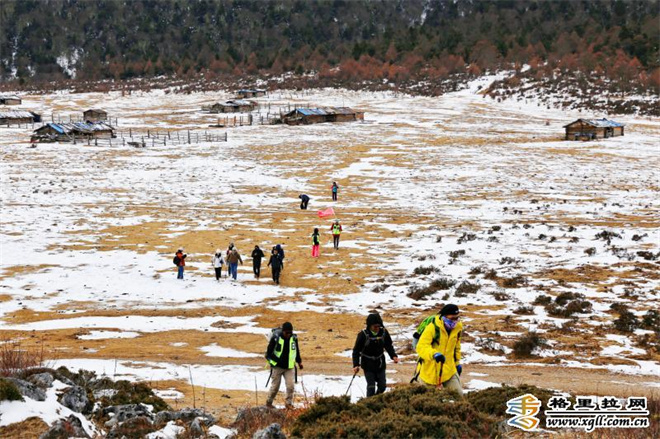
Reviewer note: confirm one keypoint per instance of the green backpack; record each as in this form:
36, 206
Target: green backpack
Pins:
422, 326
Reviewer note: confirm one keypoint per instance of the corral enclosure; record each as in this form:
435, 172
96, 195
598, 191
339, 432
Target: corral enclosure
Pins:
453, 199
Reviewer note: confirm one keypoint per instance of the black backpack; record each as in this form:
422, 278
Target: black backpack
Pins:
176, 261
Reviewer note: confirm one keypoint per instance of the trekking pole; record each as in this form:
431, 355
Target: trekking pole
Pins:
269, 375
440, 376
295, 368
351, 383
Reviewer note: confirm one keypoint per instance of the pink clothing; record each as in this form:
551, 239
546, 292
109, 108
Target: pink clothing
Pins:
316, 251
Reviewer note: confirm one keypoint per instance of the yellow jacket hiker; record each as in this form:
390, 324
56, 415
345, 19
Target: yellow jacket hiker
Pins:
441, 351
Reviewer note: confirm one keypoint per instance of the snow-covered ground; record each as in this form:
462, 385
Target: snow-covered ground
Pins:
459, 183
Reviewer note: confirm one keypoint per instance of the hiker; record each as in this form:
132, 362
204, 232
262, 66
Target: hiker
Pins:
369, 353
232, 260
257, 254
180, 261
275, 264
218, 261
282, 355
336, 232
280, 253
316, 243
304, 200
229, 249
335, 190
439, 350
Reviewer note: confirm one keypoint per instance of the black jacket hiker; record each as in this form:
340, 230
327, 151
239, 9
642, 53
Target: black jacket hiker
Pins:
257, 255
275, 264
369, 353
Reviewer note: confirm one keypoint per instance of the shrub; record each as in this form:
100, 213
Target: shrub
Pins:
456, 254
496, 228
493, 400
466, 237
408, 411
436, 285
573, 307
566, 297
574, 240
424, 271
9, 391
542, 300
619, 307
524, 310
651, 320
513, 282
491, 274
627, 322
500, 296
479, 269
606, 235
590, 251
16, 359
647, 255
465, 288
508, 260
526, 344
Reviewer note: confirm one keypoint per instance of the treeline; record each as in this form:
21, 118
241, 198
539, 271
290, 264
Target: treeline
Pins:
342, 40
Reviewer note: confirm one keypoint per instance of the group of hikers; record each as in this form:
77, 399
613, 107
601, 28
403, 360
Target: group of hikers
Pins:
436, 340
276, 262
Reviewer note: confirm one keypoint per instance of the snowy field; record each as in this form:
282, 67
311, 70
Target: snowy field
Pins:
460, 185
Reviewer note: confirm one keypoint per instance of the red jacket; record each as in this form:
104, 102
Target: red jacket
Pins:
182, 259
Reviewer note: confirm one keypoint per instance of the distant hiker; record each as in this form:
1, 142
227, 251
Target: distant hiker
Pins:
275, 264
229, 249
280, 253
232, 260
180, 261
282, 354
335, 191
316, 243
336, 232
369, 353
439, 350
304, 201
257, 254
217, 262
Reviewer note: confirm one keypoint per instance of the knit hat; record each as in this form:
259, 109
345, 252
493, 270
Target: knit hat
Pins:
373, 319
448, 310
287, 326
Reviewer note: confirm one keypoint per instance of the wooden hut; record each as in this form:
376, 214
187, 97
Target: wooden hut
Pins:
64, 132
305, 116
17, 117
10, 100
95, 115
250, 93
588, 129
235, 106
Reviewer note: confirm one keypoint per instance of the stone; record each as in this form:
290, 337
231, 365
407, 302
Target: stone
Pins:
127, 411
28, 390
196, 429
43, 380
137, 427
65, 428
76, 399
185, 415
273, 431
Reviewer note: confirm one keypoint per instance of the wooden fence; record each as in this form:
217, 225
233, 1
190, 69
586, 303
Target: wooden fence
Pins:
142, 139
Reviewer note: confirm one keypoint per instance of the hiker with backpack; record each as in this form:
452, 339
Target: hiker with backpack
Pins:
280, 253
369, 354
232, 260
336, 229
304, 200
335, 190
283, 354
257, 255
275, 264
180, 261
439, 350
218, 261
316, 243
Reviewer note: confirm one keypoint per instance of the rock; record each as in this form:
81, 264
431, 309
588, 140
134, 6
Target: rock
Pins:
65, 428
29, 390
273, 431
128, 411
196, 429
76, 399
185, 415
43, 380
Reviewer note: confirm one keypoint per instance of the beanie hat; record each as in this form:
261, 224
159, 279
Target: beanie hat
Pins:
449, 310
373, 319
287, 326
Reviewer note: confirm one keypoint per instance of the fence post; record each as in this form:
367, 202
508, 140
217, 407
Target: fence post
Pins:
188, 137
130, 132
225, 136
148, 133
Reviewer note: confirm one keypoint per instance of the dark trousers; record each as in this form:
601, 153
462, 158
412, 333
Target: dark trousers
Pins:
179, 272
335, 241
256, 267
218, 273
276, 275
334, 196
303, 204
375, 377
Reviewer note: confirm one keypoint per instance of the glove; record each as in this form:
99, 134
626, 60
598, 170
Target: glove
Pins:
459, 368
438, 357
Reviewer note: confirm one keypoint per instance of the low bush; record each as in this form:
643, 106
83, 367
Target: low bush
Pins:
465, 288
513, 282
590, 251
647, 255
651, 320
491, 274
573, 307
9, 391
425, 271
526, 344
627, 322
564, 298
524, 310
466, 237
456, 254
409, 411
606, 235
501, 296
542, 300
416, 292
493, 400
